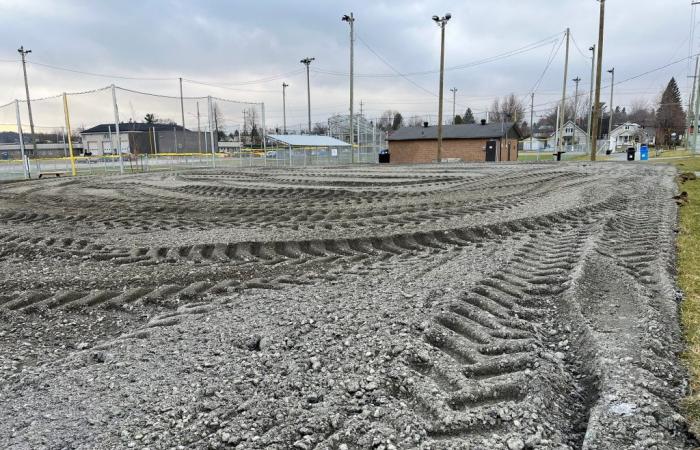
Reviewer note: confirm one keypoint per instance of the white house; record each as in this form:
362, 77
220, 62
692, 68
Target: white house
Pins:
628, 134
572, 135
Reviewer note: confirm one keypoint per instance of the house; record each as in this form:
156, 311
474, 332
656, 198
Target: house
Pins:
628, 134
140, 138
410, 145
572, 135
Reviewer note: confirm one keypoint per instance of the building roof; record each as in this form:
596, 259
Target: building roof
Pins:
307, 140
132, 127
469, 131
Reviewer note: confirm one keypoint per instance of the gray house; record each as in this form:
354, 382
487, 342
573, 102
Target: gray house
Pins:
141, 138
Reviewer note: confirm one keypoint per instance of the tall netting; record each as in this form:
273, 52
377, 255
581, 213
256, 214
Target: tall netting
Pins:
118, 130
11, 164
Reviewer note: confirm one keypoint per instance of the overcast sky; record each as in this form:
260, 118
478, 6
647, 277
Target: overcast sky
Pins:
230, 43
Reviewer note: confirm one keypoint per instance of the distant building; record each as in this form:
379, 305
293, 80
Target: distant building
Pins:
545, 137
628, 134
459, 142
141, 138
571, 134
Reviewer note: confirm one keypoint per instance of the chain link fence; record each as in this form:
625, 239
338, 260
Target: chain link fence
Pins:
114, 130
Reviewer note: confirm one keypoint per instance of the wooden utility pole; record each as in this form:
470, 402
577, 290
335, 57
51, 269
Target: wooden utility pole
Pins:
596, 109
691, 107
562, 115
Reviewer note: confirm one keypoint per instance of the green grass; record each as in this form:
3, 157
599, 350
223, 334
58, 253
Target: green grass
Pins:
689, 280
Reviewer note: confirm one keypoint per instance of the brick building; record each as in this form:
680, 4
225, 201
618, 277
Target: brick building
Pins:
467, 143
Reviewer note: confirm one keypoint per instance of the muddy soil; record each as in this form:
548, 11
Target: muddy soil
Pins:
460, 306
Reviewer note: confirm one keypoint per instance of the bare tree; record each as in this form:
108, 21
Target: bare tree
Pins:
386, 120
510, 109
320, 128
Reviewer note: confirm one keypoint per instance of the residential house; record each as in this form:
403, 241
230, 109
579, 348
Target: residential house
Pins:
628, 134
572, 135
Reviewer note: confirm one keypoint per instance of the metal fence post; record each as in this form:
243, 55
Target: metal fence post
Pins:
211, 132
25, 163
116, 126
70, 138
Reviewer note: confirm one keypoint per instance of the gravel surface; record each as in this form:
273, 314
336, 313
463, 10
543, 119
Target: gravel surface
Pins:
434, 307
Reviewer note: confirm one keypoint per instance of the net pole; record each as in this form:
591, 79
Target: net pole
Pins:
211, 132
116, 127
264, 138
66, 112
25, 165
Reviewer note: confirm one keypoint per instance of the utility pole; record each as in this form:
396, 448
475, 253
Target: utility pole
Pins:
576, 80
691, 106
590, 97
307, 62
24, 53
612, 110
696, 118
532, 124
562, 115
596, 111
182, 106
441, 22
454, 104
350, 19
284, 107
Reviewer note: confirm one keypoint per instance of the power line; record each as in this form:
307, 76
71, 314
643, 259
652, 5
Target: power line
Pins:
405, 77
498, 57
221, 86
101, 75
587, 58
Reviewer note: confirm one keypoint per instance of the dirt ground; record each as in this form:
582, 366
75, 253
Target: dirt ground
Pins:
460, 306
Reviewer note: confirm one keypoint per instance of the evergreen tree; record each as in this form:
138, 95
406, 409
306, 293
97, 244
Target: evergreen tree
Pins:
468, 117
458, 120
670, 117
398, 121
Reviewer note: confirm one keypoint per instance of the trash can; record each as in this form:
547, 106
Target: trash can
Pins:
630, 153
384, 156
644, 153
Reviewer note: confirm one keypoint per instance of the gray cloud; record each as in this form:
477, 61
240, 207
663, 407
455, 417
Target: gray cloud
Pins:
226, 42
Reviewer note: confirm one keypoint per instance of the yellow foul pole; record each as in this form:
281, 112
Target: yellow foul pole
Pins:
69, 133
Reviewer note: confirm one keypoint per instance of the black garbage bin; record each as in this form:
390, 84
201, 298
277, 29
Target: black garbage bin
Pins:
384, 156
630, 153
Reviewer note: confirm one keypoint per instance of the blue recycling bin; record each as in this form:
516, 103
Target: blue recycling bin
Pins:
644, 153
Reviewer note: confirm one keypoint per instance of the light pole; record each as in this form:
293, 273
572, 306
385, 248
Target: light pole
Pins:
596, 112
441, 22
307, 62
612, 110
454, 104
350, 19
284, 107
24, 53
590, 97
